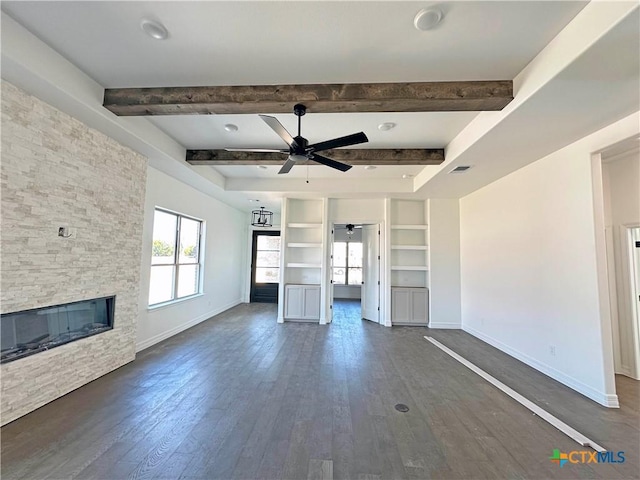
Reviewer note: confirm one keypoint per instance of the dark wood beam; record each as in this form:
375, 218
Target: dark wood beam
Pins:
429, 156
330, 98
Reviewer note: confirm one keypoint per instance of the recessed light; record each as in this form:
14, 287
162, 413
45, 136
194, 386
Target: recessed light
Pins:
407, 175
261, 167
254, 200
154, 29
230, 127
386, 126
370, 167
427, 19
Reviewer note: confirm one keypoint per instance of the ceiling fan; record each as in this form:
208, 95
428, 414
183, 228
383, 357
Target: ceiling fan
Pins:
299, 148
348, 227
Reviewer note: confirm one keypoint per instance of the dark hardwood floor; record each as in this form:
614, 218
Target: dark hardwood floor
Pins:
240, 396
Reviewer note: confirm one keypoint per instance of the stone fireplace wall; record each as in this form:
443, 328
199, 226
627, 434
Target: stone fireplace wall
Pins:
55, 172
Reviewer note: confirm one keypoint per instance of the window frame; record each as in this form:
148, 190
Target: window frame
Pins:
346, 267
176, 259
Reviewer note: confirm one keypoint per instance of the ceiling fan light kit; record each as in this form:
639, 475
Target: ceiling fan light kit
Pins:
299, 148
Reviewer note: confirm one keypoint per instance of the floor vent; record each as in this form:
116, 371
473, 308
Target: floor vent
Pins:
401, 407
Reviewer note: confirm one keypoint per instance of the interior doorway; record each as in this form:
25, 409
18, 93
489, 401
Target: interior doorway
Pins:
620, 176
265, 266
355, 272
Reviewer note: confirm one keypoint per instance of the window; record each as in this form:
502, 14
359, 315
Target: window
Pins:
347, 263
175, 257
267, 259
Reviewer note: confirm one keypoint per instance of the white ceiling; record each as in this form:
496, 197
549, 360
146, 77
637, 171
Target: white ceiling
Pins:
249, 43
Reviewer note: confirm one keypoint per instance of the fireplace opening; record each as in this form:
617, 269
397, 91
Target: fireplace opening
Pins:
28, 332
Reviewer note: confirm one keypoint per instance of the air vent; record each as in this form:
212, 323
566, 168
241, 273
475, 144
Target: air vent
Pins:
460, 169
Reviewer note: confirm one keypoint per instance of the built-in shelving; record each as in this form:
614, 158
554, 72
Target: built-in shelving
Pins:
409, 262
303, 246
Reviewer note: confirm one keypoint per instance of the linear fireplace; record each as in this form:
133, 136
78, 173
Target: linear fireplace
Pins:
31, 331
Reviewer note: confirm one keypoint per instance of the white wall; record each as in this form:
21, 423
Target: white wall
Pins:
529, 267
444, 263
621, 179
347, 291
225, 259
356, 210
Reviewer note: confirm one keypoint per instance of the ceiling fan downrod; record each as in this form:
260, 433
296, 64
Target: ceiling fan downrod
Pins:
299, 110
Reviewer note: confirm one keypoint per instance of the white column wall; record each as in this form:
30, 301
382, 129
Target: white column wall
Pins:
444, 263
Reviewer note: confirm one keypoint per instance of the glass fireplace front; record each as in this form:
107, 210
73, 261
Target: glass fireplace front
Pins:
31, 331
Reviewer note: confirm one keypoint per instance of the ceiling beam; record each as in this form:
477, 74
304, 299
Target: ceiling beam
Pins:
325, 98
428, 156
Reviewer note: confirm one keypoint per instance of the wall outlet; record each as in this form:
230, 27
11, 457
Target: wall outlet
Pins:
66, 232
552, 350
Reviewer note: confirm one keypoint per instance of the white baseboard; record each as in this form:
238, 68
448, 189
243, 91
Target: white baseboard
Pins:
624, 371
181, 328
445, 326
610, 401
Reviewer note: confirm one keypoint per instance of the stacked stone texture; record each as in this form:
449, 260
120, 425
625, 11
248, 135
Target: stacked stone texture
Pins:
56, 171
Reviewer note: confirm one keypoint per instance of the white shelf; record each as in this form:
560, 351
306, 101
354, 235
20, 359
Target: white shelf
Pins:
409, 247
410, 268
304, 245
303, 265
304, 225
409, 227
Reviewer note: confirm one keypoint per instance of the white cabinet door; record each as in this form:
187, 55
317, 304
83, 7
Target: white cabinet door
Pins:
419, 309
311, 303
400, 305
409, 306
302, 302
293, 307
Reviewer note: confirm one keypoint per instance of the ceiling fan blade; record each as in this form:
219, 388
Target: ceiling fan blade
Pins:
257, 150
353, 139
277, 127
343, 167
288, 165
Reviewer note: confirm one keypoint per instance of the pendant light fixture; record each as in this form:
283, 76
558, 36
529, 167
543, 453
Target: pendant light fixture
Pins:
262, 218
350, 228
